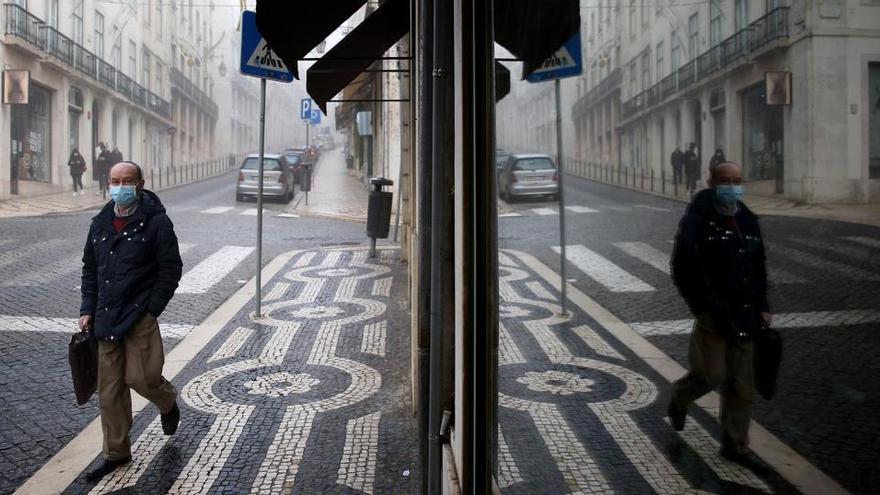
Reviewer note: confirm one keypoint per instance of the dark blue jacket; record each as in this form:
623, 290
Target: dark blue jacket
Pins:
127, 274
721, 271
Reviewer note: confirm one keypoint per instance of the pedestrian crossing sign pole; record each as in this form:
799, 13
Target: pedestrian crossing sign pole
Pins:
258, 60
566, 62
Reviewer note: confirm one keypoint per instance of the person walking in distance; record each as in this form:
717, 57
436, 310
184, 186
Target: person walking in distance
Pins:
719, 268
691, 168
77, 166
102, 168
677, 162
717, 159
115, 156
131, 268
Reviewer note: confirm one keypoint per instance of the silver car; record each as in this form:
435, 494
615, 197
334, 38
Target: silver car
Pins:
528, 175
277, 178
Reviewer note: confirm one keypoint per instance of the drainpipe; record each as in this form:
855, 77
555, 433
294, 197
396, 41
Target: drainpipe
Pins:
442, 246
426, 260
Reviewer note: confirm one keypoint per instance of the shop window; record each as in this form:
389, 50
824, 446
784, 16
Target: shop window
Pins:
31, 138
874, 119
762, 133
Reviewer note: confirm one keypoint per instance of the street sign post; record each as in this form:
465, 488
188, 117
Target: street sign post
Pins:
258, 60
566, 62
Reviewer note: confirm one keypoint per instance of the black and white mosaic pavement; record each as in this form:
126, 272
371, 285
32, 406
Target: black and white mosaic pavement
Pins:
311, 398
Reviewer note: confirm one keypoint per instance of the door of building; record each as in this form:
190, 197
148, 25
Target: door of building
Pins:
95, 112
763, 154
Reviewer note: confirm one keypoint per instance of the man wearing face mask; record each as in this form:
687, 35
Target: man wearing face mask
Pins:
131, 268
719, 267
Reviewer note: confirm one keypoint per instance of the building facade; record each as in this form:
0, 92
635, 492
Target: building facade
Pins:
696, 73
102, 72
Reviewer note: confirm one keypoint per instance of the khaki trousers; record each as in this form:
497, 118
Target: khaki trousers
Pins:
716, 361
134, 362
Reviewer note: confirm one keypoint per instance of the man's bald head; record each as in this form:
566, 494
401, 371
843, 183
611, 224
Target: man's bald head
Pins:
127, 174
725, 173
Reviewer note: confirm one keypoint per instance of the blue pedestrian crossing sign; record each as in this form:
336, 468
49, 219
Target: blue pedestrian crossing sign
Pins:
308, 112
257, 59
566, 62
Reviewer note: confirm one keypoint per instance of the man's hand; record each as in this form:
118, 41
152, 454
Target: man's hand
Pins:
85, 322
766, 319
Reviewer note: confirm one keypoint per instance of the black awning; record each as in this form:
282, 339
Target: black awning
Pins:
359, 89
532, 30
351, 56
293, 29
502, 81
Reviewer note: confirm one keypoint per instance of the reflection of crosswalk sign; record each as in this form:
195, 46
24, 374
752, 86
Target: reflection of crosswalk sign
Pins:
257, 58
566, 62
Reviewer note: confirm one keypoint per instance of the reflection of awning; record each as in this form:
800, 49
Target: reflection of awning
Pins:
351, 56
533, 29
293, 29
502, 81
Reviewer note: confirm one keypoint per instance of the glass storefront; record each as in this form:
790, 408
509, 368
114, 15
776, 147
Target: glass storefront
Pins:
763, 137
30, 137
874, 120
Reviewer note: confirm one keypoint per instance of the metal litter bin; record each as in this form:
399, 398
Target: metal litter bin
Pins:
379, 212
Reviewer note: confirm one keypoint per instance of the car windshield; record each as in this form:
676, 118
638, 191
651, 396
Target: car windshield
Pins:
534, 164
501, 159
294, 159
269, 164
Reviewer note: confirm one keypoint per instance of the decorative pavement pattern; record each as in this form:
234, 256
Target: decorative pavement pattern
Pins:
580, 413
311, 398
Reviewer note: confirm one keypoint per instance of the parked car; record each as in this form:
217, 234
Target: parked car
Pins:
295, 162
277, 178
528, 175
501, 157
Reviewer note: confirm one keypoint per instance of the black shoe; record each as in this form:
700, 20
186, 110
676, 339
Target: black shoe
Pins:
105, 467
170, 420
676, 416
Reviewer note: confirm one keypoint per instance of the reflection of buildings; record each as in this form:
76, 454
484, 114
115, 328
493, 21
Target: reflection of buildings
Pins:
660, 74
131, 74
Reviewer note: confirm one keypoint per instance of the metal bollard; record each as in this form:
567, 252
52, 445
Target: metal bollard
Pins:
378, 212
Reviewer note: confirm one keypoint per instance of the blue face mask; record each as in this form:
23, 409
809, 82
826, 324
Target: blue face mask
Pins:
124, 196
727, 195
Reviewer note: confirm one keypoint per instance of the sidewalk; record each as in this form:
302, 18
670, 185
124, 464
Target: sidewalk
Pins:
863, 213
335, 192
313, 397
66, 202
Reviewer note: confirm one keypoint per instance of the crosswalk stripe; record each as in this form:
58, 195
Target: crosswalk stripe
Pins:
287, 215
803, 257
813, 319
544, 211
865, 241
218, 209
9, 323
860, 254
250, 211
581, 209
649, 254
602, 270
213, 269
185, 247
626, 209
508, 215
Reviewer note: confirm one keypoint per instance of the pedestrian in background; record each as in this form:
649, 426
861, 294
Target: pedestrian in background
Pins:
719, 268
131, 268
717, 159
77, 165
102, 168
691, 168
116, 156
677, 162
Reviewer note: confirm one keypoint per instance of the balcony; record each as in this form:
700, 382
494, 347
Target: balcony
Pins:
23, 25
750, 41
598, 92
186, 87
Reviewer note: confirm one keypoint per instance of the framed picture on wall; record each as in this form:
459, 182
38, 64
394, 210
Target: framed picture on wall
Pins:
778, 85
15, 86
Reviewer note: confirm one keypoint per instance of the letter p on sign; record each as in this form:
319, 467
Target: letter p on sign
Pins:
305, 109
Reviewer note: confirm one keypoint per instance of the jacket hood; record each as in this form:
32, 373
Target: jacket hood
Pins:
150, 205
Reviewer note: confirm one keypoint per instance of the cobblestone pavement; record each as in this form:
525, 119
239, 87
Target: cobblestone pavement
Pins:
39, 303
824, 278
311, 398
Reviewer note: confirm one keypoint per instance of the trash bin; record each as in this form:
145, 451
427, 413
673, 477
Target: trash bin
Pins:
378, 212
349, 161
305, 178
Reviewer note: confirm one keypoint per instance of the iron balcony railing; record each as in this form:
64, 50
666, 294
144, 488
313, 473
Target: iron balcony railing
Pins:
183, 85
759, 34
612, 81
22, 24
